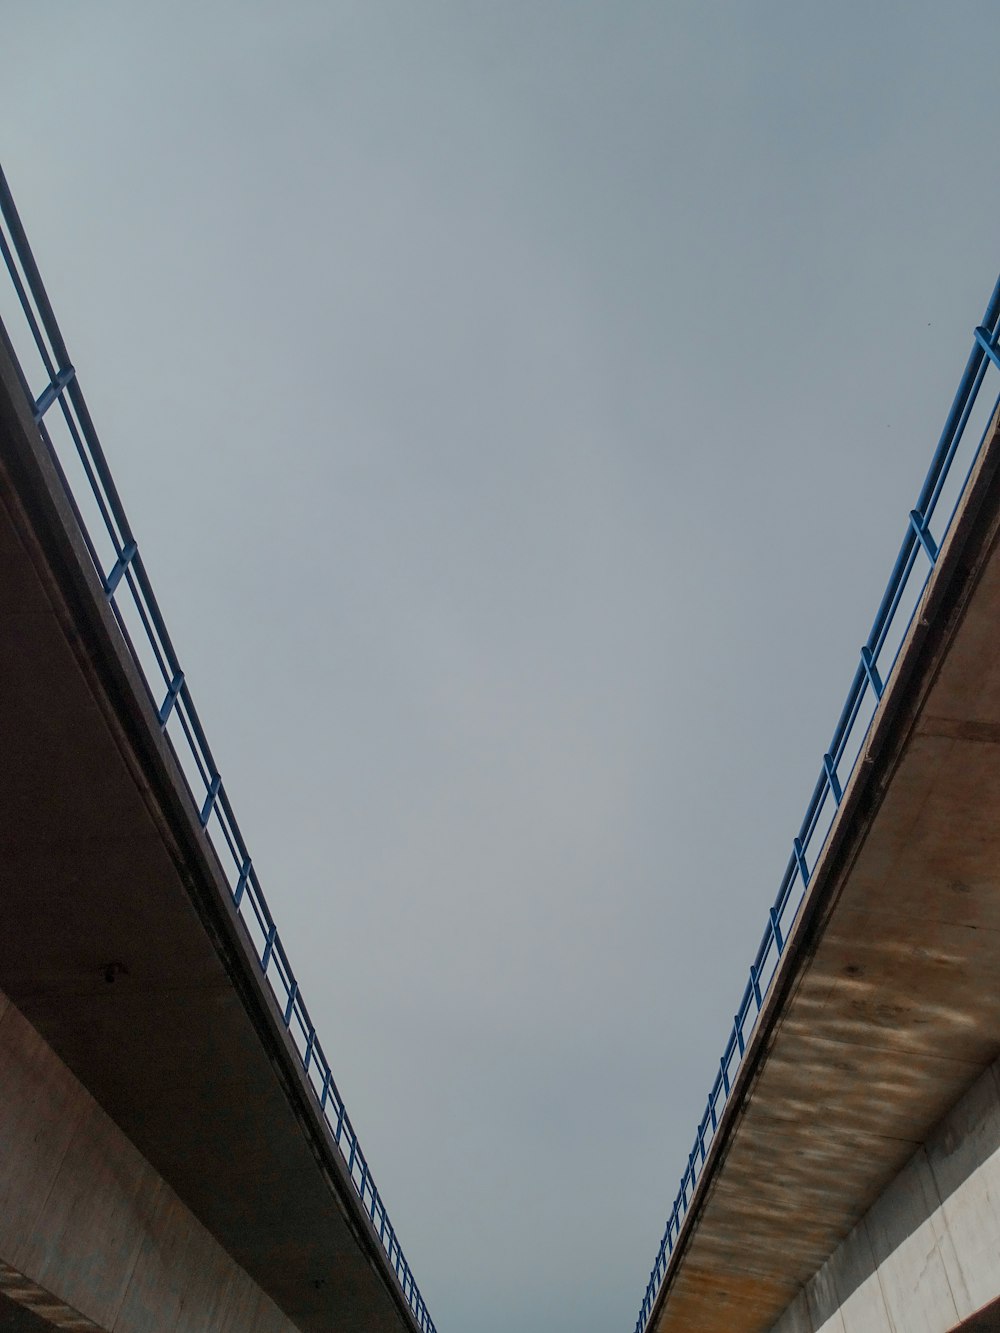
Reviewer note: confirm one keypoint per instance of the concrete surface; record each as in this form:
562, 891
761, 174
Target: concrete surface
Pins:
886, 1009
925, 1258
90, 1236
103, 862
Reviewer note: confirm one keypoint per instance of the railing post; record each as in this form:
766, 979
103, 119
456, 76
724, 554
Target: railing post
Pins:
988, 344
919, 526
832, 779
214, 788
114, 576
776, 930
871, 671
173, 690
51, 392
241, 883
293, 991
800, 861
265, 957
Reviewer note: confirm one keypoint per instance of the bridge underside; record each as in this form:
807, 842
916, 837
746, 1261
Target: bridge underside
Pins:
120, 945
925, 1258
887, 1007
91, 1238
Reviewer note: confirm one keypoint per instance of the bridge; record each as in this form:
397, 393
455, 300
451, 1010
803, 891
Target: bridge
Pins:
846, 1170
174, 1150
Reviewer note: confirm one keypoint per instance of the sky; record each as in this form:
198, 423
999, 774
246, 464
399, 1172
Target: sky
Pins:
519, 407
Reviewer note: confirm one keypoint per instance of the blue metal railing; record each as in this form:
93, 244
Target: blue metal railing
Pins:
105, 529
877, 660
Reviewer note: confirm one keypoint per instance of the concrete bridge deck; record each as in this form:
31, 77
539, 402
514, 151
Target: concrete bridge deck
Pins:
886, 1008
121, 948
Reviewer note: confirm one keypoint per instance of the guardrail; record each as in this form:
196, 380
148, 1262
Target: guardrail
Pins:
80, 460
968, 421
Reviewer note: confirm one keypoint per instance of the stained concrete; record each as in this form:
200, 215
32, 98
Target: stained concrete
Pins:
925, 1258
91, 1238
123, 950
885, 1010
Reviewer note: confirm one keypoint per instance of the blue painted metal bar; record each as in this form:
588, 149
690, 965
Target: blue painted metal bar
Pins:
114, 577
265, 957
52, 392
241, 883
779, 943
213, 791
922, 531
800, 861
166, 708
830, 769
871, 671
988, 342
293, 992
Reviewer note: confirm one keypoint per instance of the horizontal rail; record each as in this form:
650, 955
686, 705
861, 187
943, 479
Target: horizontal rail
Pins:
122, 573
876, 662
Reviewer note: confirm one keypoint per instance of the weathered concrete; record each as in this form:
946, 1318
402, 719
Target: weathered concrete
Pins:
90, 1236
925, 1258
121, 946
886, 1008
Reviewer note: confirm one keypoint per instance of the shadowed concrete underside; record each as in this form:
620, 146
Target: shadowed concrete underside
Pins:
887, 1006
120, 944
91, 1238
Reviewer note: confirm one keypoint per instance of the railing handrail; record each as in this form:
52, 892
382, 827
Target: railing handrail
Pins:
127, 574
832, 782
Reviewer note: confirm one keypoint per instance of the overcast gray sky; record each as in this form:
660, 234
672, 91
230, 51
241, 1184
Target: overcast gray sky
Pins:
519, 406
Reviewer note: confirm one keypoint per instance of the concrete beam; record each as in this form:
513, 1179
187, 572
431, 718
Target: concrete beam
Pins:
91, 1237
926, 1255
